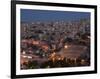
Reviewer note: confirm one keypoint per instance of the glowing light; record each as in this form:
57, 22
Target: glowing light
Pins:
29, 57
88, 36
24, 52
65, 46
24, 56
82, 60
59, 58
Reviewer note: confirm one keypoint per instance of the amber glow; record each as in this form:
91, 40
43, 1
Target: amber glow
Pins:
65, 46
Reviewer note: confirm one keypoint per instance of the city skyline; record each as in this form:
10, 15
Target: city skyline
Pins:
63, 40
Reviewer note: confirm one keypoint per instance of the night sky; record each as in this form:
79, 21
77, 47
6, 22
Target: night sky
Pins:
30, 15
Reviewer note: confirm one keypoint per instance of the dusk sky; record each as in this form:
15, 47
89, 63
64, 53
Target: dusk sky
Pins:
30, 15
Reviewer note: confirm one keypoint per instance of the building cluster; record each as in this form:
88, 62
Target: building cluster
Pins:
50, 30
39, 40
